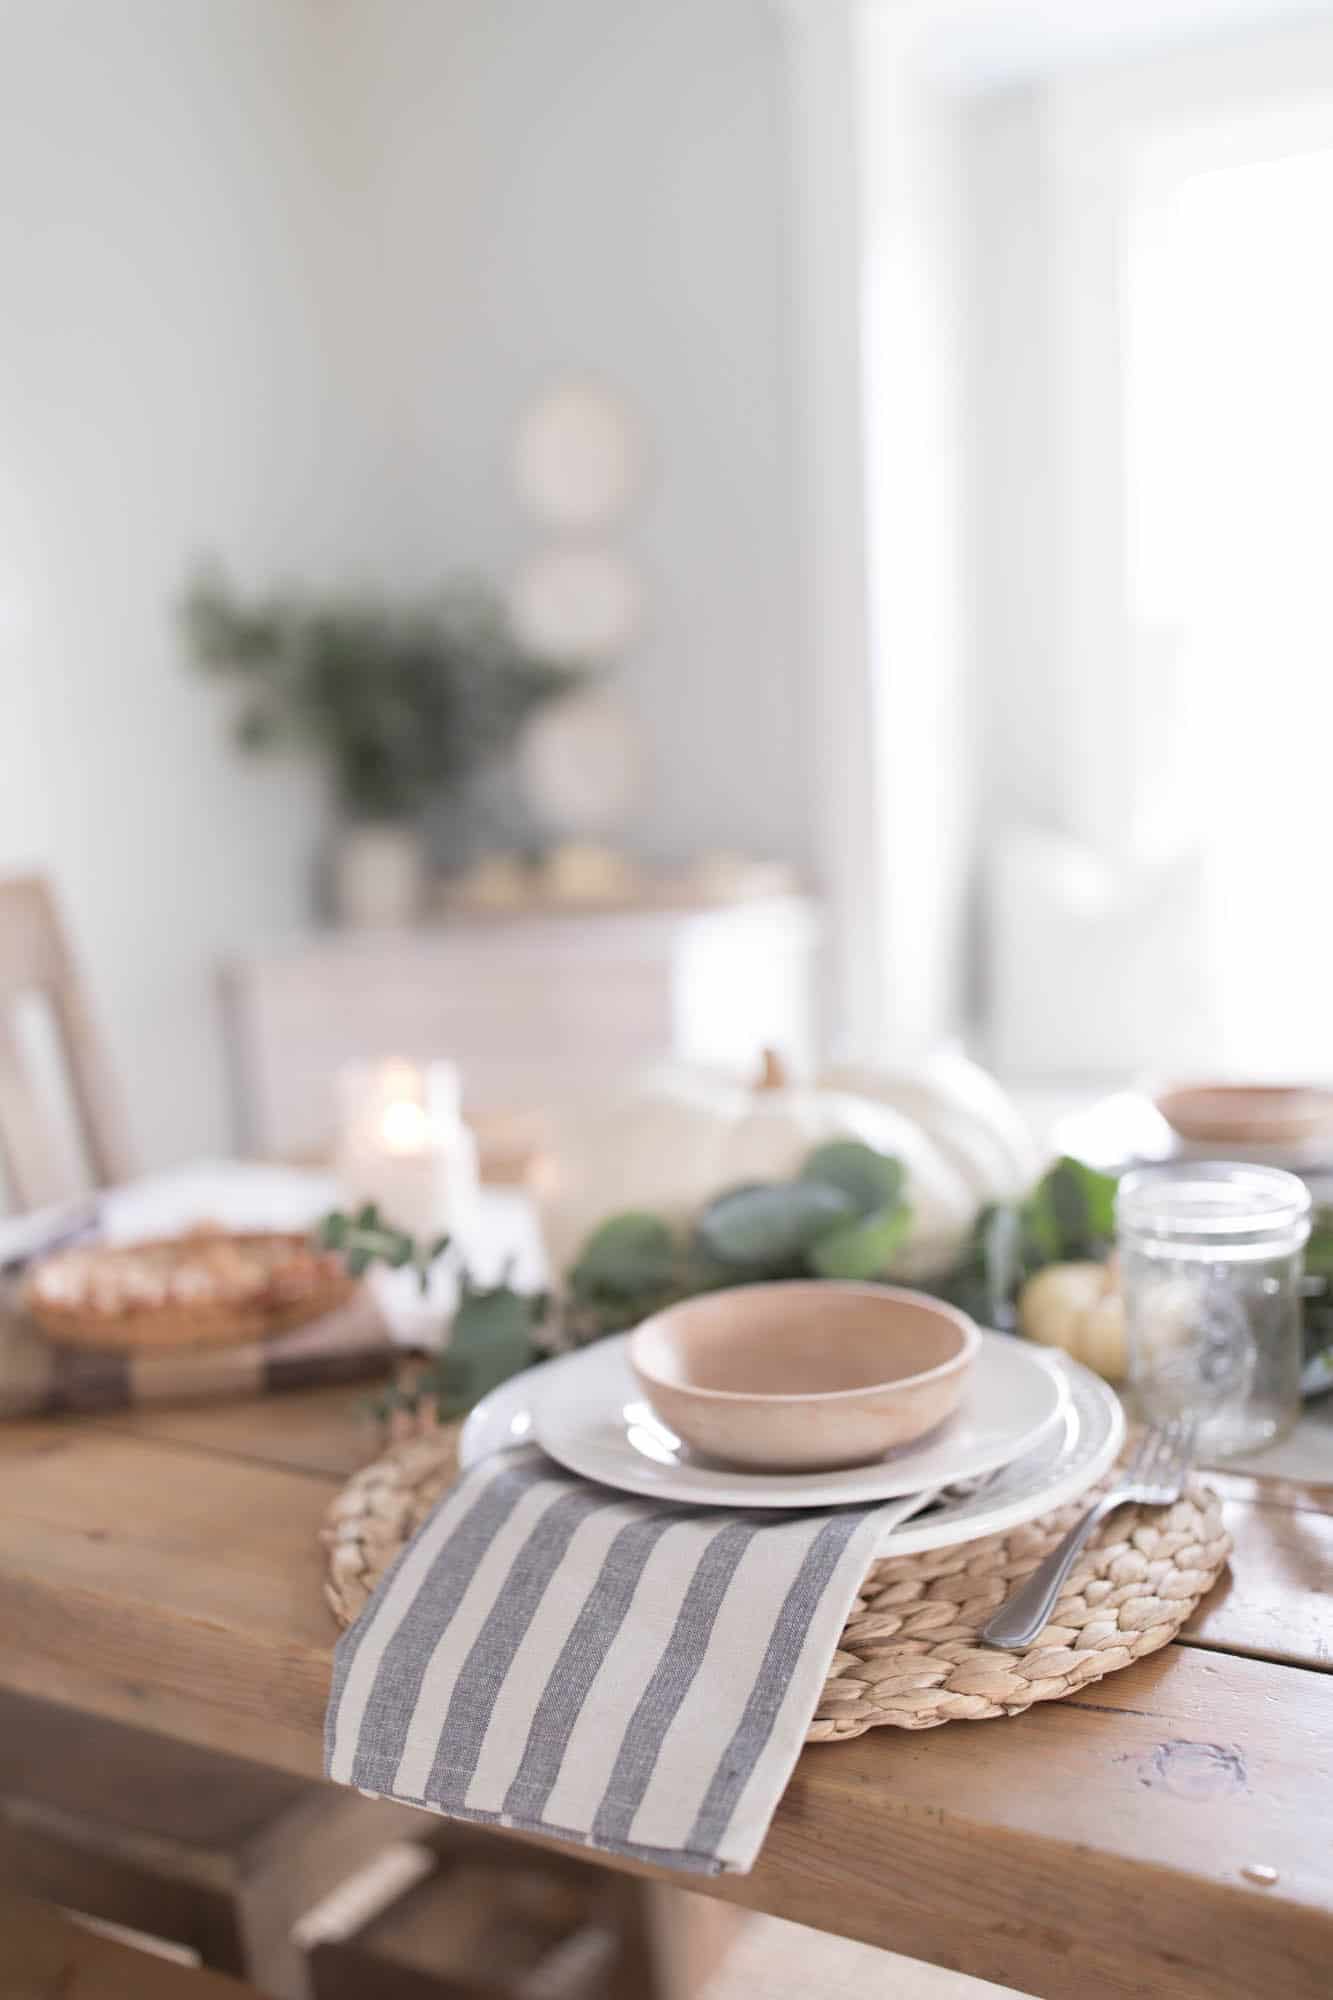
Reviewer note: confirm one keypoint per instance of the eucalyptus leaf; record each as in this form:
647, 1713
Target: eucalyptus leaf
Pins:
1042, 1236
491, 1339
628, 1255
872, 1180
332, 1231
1070, 1208
1070, 1214
864, 1248
770, 1229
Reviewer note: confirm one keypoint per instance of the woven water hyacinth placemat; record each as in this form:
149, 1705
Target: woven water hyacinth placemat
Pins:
909, 1656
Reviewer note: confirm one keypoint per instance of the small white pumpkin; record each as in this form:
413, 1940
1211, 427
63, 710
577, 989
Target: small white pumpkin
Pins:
671, 1144
1078, 1308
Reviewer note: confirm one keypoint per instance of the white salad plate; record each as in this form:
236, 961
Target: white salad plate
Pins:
1078, 1442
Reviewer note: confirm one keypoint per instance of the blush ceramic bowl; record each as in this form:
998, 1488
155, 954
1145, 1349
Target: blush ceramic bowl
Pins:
803, 1377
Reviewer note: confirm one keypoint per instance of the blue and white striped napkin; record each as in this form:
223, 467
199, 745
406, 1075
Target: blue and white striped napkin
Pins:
554, 1656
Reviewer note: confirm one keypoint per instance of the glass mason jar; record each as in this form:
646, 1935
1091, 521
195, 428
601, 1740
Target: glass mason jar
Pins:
1210, 1266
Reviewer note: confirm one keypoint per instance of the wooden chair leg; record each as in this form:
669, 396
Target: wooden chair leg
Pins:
125, 1878
293, 1864
186, 1845
46, 1956
672, 1941
498, 1920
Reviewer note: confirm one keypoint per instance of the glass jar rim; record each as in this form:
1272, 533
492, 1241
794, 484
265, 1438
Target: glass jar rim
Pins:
1213, 1200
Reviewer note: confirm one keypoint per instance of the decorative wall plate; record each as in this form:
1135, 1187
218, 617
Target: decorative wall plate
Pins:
580, 763
575, 601
575, 456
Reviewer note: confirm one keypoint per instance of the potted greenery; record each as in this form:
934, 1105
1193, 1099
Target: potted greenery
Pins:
403, 702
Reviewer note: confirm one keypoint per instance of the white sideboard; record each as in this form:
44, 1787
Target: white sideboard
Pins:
531, 1007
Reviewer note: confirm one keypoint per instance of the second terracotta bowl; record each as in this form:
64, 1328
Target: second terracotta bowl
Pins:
1248, 1114
803, 1377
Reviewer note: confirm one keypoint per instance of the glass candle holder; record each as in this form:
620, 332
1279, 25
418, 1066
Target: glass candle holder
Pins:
1211, 1260
403, 1145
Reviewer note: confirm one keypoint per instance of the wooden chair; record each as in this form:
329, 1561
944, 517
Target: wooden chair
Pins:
224, 1856
502, 1921
35, 960
121, 1823
184, 1844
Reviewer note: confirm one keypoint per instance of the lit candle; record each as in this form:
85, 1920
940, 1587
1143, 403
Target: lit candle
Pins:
404, 1146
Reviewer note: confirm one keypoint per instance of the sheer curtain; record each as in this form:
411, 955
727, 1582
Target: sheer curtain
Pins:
1154, 904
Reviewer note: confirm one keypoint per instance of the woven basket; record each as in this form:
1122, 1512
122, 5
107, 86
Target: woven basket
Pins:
909, 1656
315, 1283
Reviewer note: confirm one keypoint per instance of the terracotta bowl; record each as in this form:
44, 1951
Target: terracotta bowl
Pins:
1248, 1114
803, 1377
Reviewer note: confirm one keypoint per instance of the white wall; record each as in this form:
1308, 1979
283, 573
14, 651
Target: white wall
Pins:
600, 186
276, 278
170, 382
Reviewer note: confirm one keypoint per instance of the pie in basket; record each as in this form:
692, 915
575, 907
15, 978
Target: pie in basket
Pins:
212, 1288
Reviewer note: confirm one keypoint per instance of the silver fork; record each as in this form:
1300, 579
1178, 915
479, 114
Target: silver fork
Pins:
1155, 1479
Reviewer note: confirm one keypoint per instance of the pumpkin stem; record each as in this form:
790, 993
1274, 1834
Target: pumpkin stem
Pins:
773, 1072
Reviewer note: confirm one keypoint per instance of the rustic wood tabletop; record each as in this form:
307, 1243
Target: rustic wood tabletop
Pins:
1168, 1834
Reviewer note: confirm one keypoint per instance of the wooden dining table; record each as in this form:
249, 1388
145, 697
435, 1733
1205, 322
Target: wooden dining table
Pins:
1166, 1833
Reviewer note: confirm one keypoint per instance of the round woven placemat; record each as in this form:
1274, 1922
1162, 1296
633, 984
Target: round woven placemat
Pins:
909, 1656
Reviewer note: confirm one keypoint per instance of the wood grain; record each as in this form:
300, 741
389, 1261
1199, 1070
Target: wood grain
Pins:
1080, 1851
159, 1579
327, 1431
1277, 1601
156, 1584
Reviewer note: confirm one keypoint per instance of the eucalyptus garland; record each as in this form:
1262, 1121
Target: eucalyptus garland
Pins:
843, 1216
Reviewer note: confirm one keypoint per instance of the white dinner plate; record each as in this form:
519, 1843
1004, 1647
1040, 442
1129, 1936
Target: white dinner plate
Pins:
591, 1416
1070, 1456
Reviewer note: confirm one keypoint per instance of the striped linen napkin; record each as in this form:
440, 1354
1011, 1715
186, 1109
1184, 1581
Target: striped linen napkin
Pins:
554, 1656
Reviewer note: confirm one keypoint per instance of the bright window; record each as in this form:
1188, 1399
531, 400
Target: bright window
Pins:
1153, 387
1229, 483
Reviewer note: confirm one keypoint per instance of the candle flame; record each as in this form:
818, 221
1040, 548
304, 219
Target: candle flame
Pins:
404, 1127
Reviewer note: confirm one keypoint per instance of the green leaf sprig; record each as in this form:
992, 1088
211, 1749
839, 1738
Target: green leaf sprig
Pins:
493, 1334
843, 1216
367, 1238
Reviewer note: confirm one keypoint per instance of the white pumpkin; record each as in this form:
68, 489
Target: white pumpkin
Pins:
964, 1112
672, 1143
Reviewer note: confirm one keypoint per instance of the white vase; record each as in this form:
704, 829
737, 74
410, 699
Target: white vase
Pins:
379, 875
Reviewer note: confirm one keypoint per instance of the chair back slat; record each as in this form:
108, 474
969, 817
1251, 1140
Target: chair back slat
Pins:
35, 959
